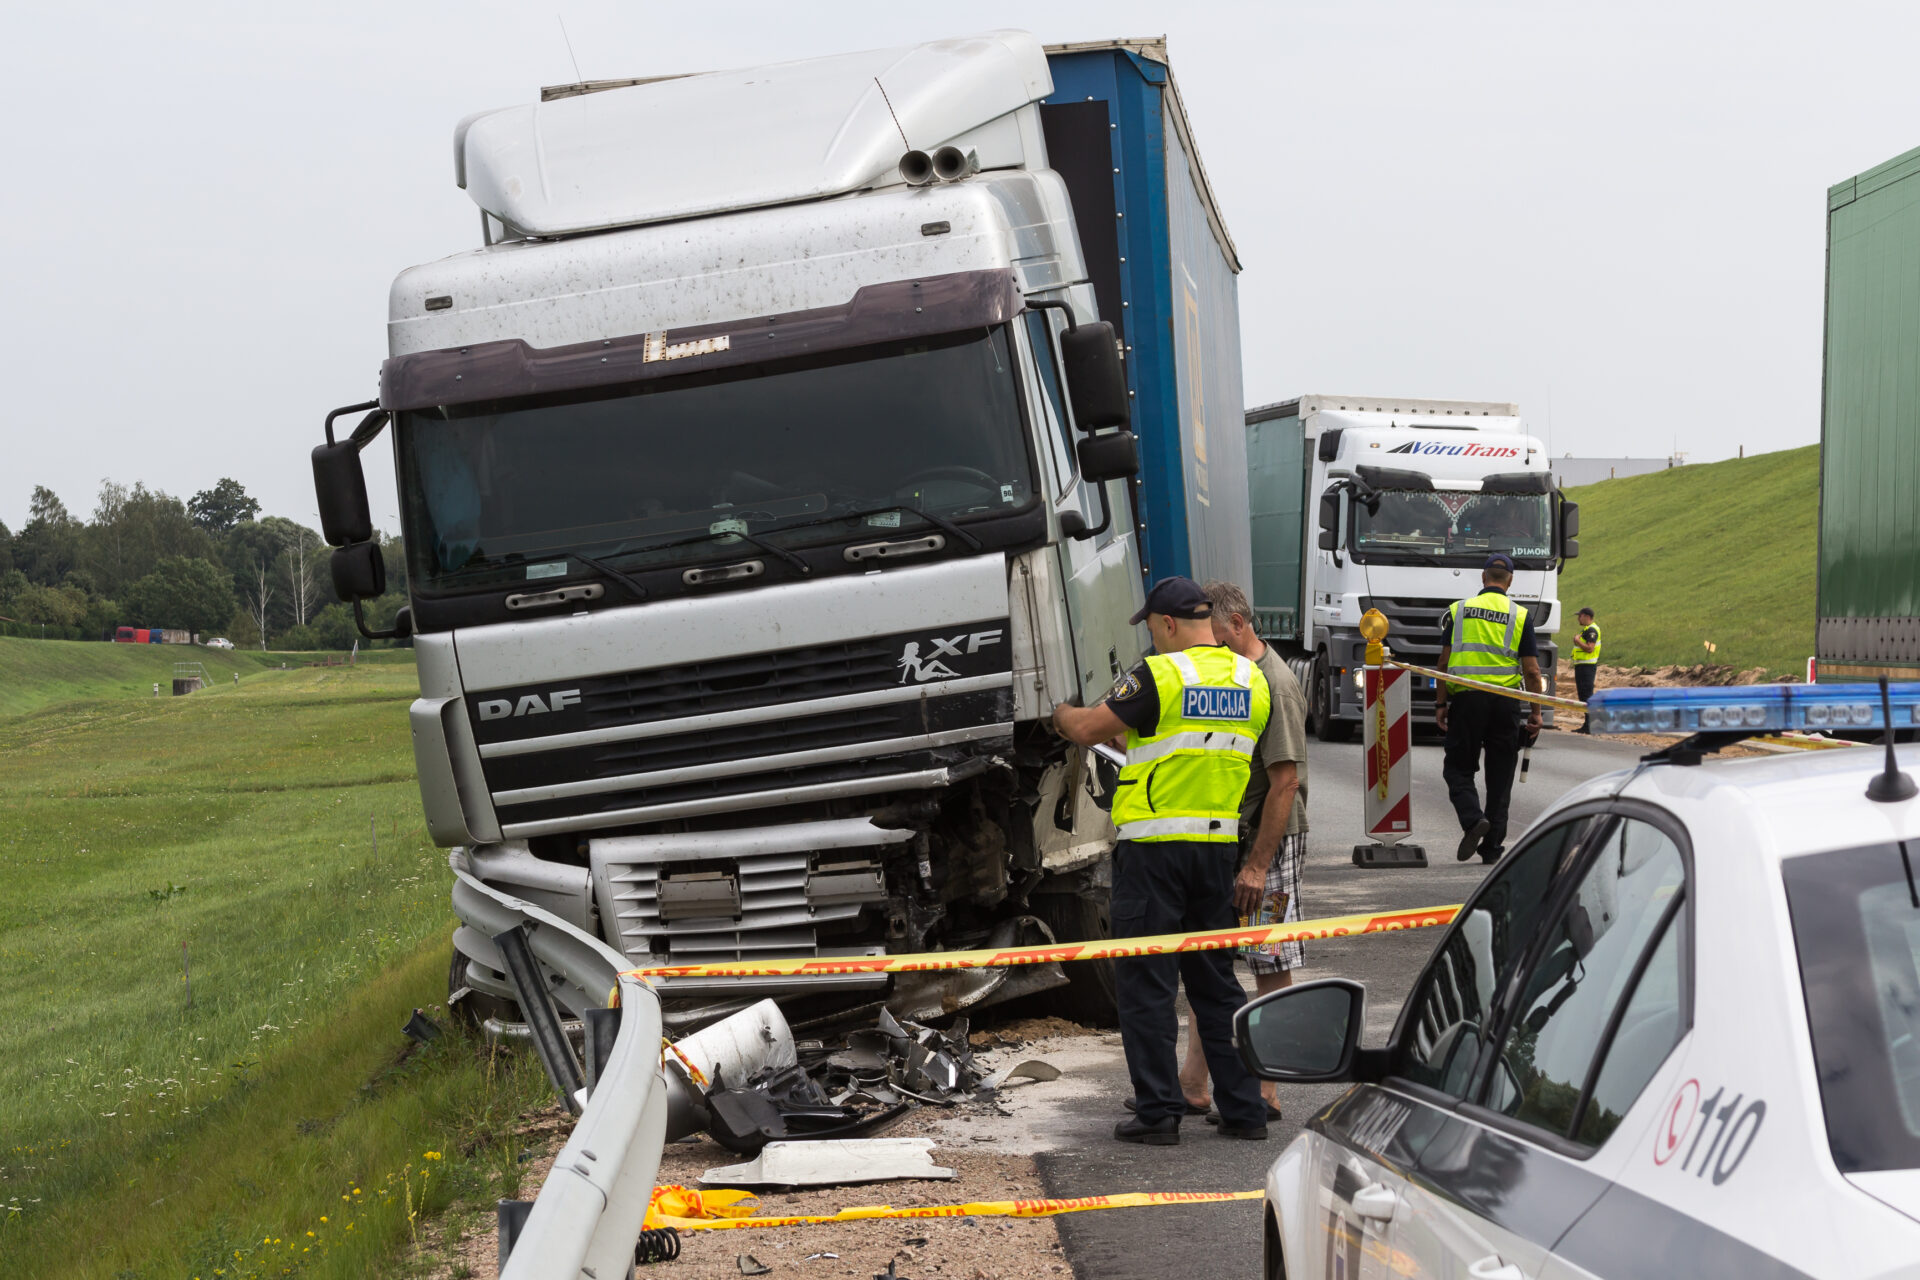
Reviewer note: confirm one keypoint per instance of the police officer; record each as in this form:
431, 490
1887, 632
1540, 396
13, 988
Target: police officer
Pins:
1191, 714
1586, 659
1488, 638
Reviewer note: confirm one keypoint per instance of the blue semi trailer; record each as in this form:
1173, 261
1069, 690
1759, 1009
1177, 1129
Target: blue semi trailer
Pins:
1164, 269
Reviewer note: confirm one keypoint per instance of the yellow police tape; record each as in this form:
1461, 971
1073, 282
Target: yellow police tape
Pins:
1106, 949
1544, 699
685, 1209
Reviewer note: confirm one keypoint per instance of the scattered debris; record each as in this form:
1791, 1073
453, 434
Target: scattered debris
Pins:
787, 1104
829, 1164
1031, 1069
889, 1273
752, 1266
747, 1083
422, 1028
810, 1257
897, 1059
754, 1040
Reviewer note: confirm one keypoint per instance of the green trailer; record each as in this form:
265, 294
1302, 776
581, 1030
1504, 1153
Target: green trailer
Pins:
1869, 561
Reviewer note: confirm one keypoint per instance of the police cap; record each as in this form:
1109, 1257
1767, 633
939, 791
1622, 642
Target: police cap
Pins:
1175, 598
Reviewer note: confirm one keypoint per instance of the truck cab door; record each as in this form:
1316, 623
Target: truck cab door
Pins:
1101, 574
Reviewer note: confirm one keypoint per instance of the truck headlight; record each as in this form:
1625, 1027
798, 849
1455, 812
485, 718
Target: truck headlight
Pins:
1360, 679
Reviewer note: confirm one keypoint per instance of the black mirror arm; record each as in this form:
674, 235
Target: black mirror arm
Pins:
400, 632
357, 408
1065, 309
1106, 517
1370, 1066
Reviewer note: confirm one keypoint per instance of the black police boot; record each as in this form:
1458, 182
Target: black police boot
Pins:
1583, 728
1250, 1133
1470, 839
1153, 1133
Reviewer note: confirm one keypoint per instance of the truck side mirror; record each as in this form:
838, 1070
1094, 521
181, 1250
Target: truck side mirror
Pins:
359, 571
1113, 456
1329, 521
1097, 385
1569, 530
341, 488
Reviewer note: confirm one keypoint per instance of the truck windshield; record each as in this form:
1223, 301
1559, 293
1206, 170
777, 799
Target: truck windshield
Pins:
1445, 527
1857, 930
499, 492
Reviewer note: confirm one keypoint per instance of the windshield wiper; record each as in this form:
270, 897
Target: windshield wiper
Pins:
941, 523
605, 570
741, 534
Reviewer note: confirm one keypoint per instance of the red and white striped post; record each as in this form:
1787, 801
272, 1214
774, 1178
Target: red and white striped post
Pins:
1388, 807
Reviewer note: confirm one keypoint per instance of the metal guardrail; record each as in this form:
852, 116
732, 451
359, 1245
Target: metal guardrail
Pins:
588, 1215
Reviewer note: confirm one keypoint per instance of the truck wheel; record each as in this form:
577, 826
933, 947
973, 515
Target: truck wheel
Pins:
475, 1007
1320, 712
1088, 998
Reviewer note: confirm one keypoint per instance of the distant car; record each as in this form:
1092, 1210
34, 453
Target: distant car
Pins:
1675, 1032
219, 642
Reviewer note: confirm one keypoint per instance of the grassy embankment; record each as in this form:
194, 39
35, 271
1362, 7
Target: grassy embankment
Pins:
277, 1124
36, 673
1721, 552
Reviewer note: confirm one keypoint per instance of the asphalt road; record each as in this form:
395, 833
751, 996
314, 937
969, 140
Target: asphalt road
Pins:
1152, 1244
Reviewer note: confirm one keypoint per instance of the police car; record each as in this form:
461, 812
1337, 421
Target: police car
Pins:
1674, 1033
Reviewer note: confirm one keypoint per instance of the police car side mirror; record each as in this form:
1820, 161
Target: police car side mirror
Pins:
1303, 1034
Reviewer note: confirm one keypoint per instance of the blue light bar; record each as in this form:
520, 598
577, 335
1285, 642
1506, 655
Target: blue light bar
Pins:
1760, 708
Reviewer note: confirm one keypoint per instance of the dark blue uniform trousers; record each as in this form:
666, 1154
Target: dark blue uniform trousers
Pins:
1176, 886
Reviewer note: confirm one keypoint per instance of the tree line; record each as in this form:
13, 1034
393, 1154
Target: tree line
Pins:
212, 565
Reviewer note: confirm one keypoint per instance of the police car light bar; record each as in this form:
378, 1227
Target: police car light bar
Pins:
1755, 709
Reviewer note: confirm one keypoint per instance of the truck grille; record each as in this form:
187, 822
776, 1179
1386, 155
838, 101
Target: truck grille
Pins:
773, 920
774, 868
666, 742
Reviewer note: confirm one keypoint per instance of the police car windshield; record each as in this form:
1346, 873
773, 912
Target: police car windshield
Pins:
1443, 527
1857, 930
850, 444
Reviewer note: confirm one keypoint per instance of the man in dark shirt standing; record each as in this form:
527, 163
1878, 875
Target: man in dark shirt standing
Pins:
1192, 714
1490, 639
1586, 659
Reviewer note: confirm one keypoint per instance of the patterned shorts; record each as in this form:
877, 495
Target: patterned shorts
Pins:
1283, 885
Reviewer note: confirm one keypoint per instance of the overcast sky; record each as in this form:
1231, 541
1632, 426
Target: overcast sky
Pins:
1612, 214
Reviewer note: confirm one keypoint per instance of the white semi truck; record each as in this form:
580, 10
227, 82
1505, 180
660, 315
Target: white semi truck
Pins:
766, 478
1363, 502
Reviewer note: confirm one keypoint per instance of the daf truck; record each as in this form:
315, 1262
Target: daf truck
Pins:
794, 439
1365, 503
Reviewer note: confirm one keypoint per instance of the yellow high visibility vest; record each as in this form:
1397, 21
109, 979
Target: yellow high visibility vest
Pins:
1581, 654
1486, 640
1185, 781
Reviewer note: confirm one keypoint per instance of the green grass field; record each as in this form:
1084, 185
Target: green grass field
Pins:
268, 835
40, 673
1722, 552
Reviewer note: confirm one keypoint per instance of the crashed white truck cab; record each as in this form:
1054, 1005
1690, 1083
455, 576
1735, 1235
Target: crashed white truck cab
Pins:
764, 485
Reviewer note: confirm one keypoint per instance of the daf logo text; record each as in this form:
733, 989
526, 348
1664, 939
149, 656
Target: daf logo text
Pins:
531, 704
919, 667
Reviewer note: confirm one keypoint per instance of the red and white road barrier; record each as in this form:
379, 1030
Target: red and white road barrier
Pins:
1388, 807
1389, 801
